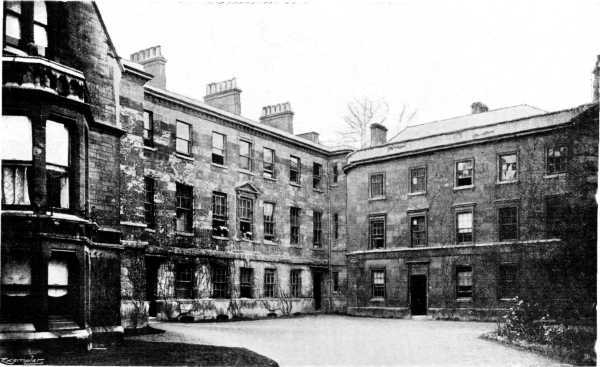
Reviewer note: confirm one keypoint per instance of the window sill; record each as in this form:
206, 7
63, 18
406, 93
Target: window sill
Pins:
218, 165
269, 179
377, 299
295, 184
134, 224
467, 187
418, 193
317, 190
149, 148
246, 172
270, 243
219, 238
334, 185
150, 230
555, 175
184, 234
505, 299
464, 299
507, 182
377, 198
184, 156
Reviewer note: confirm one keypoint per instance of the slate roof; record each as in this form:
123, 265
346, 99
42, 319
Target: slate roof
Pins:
467, 130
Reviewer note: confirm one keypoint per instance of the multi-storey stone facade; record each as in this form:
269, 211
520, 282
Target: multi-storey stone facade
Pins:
448, 219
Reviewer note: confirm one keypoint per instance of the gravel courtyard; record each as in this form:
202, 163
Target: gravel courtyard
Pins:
349, 341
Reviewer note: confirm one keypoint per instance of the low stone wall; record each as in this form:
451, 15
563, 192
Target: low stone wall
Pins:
384, 312
221, 309
466, 314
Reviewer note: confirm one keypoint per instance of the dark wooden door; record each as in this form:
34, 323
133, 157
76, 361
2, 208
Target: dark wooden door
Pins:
317, 289
151, 284
418, 294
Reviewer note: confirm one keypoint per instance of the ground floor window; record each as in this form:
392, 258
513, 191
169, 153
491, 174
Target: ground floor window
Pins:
464, 281
336, 281
246, 282
16, 287
378, 283
184, 276
507, 285
220, 280
269, 283
296, 283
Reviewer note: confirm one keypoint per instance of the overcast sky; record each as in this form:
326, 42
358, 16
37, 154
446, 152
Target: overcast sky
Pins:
434, 56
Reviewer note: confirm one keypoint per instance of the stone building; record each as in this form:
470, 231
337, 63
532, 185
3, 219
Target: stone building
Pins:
222, 216
60, 176
449, 217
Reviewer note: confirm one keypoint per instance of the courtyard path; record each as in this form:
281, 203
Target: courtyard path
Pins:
349, 341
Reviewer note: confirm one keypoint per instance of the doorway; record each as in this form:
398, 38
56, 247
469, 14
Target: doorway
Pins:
63, 289
418, 294
317, 279
152, 265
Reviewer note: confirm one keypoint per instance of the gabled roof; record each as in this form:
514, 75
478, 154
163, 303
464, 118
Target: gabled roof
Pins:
466, 122
435, 136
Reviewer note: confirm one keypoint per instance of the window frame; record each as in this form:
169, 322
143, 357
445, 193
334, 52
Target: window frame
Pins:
269, 168
378, 290
59, 171
245, 218
246, 285
334, 173
248, 158
188, 142
457, 212
418, 214
317, 173
220, 214
499, 167
502, 225
24, 165
566, 157
456, 163
295, 214
295, 169
220, 279
215, 150
413, 189
296, 283
183, 287
502, 287
555, 225
27, 24
270, 288
335, 280
148, 132
464, 294
269, 223
149, 204
317, 229
336, 226
180, 194
376, 218
371, 183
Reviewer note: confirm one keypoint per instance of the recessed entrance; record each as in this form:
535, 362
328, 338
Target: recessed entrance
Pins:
418, 289
152, 265
317, 279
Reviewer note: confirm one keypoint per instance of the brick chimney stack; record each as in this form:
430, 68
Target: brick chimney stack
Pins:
311, 135
478, 107
154, 63
279, 116
378, 134
596, 82
224, 95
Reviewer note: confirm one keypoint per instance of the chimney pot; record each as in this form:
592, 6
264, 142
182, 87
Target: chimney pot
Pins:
378, 134
279, 116
224, 95
154, 63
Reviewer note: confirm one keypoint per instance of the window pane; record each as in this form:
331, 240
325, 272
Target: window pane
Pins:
40, 36
218, 141
39, 12
58, 277
268, 155
57, 144
378, 278
508, 167
268, 210
244, 148
465, 221
15, 138
13, 26
14, 6
183, 130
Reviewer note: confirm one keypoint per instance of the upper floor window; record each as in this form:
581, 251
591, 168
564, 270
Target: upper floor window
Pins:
556, 216
26, 23
57, 164
268, 163
317, 172
245, 217
336, 226
295, 167
148, 128
219, 214
294, 225
184, 212
335, 173
218, 148
418, 180
16, 144
464, 226
149, 202
184, 138
508, 228
269, 221
464, 173
507, 167
317, 230
245, 155
377, 231
556, 159
418, 229
377, 185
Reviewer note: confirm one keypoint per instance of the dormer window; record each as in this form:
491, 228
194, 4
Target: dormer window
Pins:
26, 23
57, 164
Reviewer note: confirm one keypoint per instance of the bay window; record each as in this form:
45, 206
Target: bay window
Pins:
16, 154
57, 164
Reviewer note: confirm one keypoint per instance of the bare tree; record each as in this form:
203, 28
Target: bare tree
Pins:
405, 117
361, 113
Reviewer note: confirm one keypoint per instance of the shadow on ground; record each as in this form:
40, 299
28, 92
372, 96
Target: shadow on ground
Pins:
143, 353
